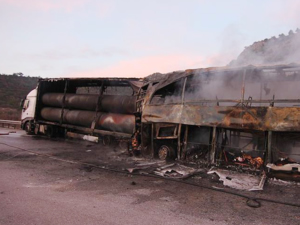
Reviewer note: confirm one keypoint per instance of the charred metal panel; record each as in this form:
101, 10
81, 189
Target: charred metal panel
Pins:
225, 97
163, 114
256, 118
283, 119
165, 131
285, 148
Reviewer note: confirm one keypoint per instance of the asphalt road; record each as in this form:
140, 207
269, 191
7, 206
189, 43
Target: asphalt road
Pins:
41, 190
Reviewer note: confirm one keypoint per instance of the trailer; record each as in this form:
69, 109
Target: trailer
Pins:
86, 107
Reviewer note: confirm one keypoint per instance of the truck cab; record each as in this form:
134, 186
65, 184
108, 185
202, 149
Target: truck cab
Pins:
28, 109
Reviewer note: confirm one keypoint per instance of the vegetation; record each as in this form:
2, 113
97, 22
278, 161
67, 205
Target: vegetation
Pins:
13, 88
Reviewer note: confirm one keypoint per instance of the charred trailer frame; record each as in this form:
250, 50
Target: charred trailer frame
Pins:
225, 116
104, 107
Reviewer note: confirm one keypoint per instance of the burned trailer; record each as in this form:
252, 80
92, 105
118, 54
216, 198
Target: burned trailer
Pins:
245, 117
87, 107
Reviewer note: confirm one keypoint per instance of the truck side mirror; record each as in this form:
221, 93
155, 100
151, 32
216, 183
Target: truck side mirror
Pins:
22, 103
25, 104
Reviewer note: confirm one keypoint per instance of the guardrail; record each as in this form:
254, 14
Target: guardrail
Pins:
10, 124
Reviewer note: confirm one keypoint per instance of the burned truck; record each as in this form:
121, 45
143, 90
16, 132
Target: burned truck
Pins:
82, 107
245, 118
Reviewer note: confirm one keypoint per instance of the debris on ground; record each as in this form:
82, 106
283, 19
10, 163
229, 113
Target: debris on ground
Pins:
280, 182
246, 159
239, 181
145, 166
131, 170
86, 168
175, 170
286, 167
160, 168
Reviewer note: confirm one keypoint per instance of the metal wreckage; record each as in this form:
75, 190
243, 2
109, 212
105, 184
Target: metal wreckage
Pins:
245, 117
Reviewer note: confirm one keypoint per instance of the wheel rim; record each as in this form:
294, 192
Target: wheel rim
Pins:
163, 152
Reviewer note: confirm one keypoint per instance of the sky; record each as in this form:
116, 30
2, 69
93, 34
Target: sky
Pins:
133, 38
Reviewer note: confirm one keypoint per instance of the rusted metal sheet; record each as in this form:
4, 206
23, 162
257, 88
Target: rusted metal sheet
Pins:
283, 119
108, 103
164, 114
256, 118
106, 121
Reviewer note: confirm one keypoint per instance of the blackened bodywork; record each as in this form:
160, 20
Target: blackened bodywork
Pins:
225, 116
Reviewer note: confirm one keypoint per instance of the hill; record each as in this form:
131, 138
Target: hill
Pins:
284, 49
13, 88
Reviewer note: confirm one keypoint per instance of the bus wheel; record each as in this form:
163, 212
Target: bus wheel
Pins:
166, 152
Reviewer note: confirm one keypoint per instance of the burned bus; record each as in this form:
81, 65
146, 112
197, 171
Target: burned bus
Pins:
246, 117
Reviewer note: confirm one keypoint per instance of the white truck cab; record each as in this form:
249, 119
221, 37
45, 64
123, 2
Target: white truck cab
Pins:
28, 110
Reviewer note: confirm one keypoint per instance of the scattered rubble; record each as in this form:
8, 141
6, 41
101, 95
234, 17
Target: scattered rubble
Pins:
294, 167
283, 182
160, 168
177, 171
239, 181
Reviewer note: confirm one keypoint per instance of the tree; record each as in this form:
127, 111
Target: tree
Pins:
18, 74
291, 32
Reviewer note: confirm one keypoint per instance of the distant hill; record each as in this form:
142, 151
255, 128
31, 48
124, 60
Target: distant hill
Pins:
13, 88
284, 49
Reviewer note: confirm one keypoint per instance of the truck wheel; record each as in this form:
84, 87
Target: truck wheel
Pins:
166, 152
50, 132
28, 128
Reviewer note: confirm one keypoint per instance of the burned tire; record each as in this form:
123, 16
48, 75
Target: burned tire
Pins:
107, 140
28, 128
166, 152
123, 145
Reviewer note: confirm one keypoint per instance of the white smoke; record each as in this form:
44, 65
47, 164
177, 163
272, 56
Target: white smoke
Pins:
284, 49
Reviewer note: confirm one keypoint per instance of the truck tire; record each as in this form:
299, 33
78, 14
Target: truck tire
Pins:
50, 131
28, 128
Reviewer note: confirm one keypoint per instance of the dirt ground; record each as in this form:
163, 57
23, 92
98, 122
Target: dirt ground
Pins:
41, 190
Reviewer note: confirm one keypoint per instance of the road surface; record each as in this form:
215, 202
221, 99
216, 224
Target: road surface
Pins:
41, 190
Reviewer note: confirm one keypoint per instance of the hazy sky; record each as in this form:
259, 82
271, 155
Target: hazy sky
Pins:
133, 38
